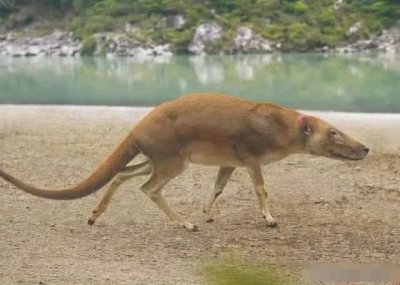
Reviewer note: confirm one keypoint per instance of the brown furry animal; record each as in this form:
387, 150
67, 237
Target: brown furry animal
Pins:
209, 129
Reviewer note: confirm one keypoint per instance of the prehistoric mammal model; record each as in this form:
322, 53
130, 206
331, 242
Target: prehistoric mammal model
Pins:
209, 129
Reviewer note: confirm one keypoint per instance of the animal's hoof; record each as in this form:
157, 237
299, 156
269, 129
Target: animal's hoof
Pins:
90, 222
272, 224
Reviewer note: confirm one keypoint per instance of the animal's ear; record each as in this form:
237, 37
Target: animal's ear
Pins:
302, 122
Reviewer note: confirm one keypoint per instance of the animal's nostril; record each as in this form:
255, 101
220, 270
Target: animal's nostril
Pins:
365, 149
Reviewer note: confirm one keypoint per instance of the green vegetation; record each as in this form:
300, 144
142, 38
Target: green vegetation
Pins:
296, 24
235, 272
88, 46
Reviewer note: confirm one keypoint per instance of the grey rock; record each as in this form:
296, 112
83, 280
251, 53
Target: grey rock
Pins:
354, 29
162, 50
131, 29
67, 50
60, 36
58, 43
206, 35
109, 43
33, 50
387, 41
247, 41
117, 44
10, 37
338, 4
35, 42
18, 51
323, 49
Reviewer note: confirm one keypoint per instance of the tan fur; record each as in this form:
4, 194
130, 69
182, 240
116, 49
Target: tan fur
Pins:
209, 129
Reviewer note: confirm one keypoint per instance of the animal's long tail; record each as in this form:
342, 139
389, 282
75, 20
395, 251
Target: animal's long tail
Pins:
120, 157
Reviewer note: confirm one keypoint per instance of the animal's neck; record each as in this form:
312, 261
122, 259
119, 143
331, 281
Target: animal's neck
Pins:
297, 140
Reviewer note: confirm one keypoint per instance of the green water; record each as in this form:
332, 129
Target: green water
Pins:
305, 81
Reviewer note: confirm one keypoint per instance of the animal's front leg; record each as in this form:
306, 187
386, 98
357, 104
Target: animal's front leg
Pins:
255, 172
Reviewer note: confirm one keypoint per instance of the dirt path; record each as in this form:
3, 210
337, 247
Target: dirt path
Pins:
327, 210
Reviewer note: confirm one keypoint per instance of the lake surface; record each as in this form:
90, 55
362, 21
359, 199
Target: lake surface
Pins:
305, 81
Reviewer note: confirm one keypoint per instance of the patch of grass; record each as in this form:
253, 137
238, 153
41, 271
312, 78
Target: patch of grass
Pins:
98, 23
239, 272
88, 46
299, 7
179, 39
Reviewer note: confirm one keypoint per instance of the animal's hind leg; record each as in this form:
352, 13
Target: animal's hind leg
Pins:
162, 174
143, 168
224, 173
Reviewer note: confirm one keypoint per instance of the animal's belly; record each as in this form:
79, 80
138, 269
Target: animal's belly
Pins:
270, 157
208, 153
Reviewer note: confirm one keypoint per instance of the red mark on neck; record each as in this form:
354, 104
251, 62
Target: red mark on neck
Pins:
302, 120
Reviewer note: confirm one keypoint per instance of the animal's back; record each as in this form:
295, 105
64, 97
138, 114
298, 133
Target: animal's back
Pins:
211, 112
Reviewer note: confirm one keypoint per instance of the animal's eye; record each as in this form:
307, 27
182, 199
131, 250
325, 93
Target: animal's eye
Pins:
333, 132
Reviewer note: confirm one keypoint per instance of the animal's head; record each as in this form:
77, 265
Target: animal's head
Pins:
321, 138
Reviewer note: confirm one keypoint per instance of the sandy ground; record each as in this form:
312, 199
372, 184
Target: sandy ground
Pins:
328, 211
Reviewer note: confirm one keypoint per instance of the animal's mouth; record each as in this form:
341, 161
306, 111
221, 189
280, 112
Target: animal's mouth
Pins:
350, 156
